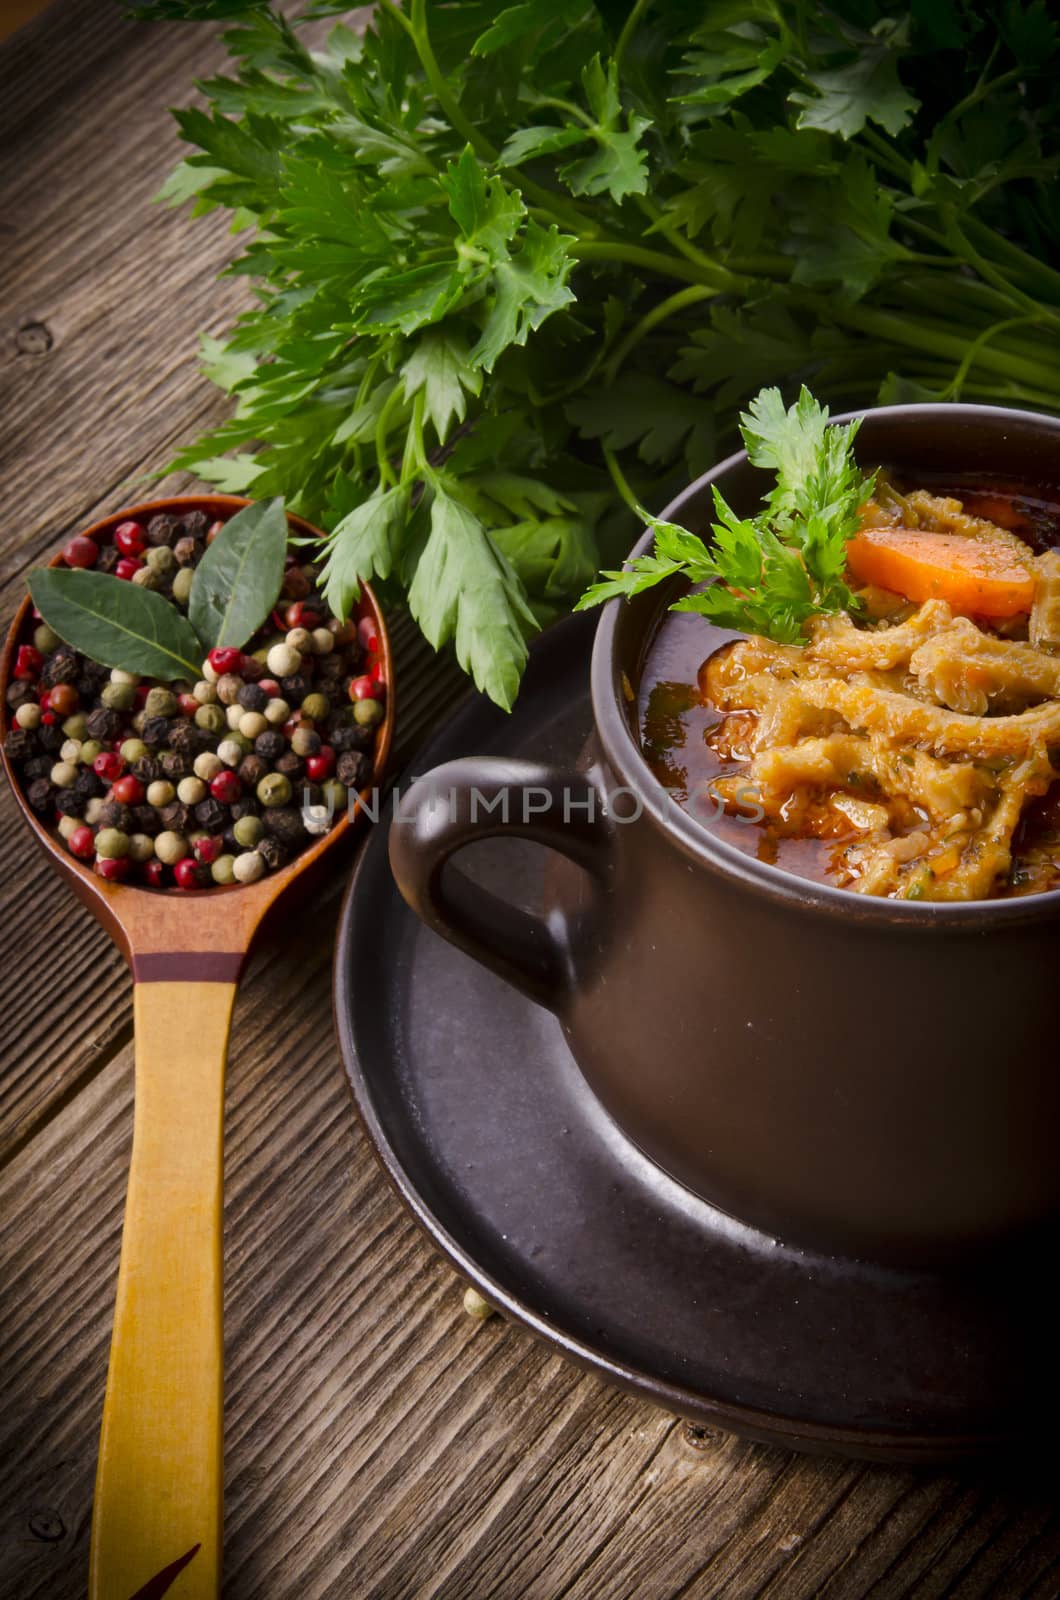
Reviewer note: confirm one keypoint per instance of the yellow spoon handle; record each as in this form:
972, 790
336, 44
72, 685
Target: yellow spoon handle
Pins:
156, 1521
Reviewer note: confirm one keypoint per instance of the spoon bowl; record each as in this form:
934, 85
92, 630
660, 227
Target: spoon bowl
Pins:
157, 1511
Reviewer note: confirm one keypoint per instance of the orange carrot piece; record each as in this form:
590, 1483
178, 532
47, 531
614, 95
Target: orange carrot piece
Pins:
978, 579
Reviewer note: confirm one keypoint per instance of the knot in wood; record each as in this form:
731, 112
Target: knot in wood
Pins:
34, 339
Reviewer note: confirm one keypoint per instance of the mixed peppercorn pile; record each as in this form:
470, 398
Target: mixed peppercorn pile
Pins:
189, 785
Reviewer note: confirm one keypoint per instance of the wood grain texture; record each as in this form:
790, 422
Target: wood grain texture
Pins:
380, 1444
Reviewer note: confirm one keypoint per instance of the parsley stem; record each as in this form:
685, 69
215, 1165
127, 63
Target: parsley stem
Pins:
651, 319
416, 27
629, 27
713, 277
382, 428
618, 478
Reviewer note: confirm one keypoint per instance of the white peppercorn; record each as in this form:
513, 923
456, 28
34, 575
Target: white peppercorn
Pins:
64, 774
251, 723
190, 791
28, 715
207, 765
230, 752
228, 687
160, 793
248, 867
282, 661
205, 693
323, 641
171, 847
141, 846
277, 711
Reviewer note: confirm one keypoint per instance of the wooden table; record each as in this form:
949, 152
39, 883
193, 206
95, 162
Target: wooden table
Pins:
380, 1443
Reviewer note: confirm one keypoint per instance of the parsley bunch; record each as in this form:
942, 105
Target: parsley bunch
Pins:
497, 249
771, 573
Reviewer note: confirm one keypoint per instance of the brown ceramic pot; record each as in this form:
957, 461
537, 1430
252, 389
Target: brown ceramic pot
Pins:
860, 1076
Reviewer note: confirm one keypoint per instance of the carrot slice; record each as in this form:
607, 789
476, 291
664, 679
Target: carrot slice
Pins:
979, 579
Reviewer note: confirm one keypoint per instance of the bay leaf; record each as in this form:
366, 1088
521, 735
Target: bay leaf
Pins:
237, 582
117, 622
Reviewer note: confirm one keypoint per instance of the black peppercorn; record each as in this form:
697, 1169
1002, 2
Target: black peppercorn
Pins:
41, 794
187, 550
273, 852
50, 737
115, 815
290, 765
20, 744
187, 740
62, 667
37, 767
193, 524
18, 692
108, 558
251, 770
155, 731
295, 688
349, 736
252, 697
175, 816
174, 765
284, 823
87, 785
161, 529
147, 769
354, 769
245, 806
103, 725
147, 820
67, 803
211, 814
270, 744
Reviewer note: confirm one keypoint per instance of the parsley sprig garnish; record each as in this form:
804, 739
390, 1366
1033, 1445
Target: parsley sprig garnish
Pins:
770, 573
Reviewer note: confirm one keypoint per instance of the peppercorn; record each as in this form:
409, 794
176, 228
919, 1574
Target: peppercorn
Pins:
193, 524
282, 661
285, 823
252, 697
300, 640
90, 749
207, 765
368, 713
40, 794
277, 711
161, 560
68, 826
132, 750
50, 738
161, 529
160, 703
316, 706
251, 770
187, 550
175, 816
191, 790
247, 831
21, 743
71, 750
245, 806
27, 717
20, 693
146, 578
223, 869
116, 815
64, 774
274, 789
64, 700
87, 784
295, 583
161, 793
205, 693
45, 639
211, 719
248, 867
146, 767
141, 846
93, 811
271, 852
118, 696
290, 766
146, 820
67, 803
295, 688
174, 765
63, 667
171, 847
354, 769
210, 814
228, 686
154, 731
37, 767
305, 741
119, 675
112, 843
128, 790
270, 745
182, 582
109, 557
252, 723
230, 752
234, 715
333, 794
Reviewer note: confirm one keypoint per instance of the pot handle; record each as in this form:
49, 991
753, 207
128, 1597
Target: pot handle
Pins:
483, 797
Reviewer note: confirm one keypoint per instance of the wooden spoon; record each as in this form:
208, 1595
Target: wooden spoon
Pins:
158, 1502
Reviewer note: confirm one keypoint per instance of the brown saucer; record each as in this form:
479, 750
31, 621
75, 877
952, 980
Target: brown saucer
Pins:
496, 1145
